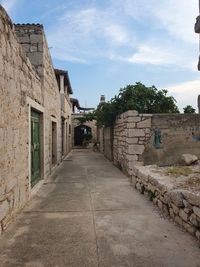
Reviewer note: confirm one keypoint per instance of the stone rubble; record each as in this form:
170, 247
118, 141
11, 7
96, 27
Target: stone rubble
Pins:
189, 159
183, 206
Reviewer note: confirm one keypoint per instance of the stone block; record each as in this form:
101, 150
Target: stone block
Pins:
194, 221
197, 211
35, 38
4, 209
151, 188
177, 198
197, 235
136, 133
33, 48
132, 140
160, 204
130, 113
144, 124
135, 149
183, 215
167, 198
175, 209
187, 205
192, 198
189, 159
131, 125
191, 229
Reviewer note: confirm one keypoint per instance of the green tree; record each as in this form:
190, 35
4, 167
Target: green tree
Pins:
189, 109
133, 97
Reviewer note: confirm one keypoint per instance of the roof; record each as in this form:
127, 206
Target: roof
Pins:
75, 102
66, 79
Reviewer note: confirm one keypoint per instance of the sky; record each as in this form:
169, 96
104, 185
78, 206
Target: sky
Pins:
108, 44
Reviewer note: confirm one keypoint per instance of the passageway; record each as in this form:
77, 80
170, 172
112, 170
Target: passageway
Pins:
87, 214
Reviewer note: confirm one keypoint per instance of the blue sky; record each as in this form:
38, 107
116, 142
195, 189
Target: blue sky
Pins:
107, 44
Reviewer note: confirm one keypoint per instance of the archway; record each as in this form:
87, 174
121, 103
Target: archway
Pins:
82, 133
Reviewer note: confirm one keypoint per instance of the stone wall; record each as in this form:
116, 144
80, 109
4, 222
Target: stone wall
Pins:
151, 139
27, 81
18, 80
108, 142
171, 136
131, 133
183, 206
33, 41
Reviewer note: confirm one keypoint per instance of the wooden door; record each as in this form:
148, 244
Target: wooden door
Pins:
35, 147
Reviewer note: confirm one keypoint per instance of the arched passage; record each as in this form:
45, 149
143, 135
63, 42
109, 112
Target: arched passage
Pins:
82, 133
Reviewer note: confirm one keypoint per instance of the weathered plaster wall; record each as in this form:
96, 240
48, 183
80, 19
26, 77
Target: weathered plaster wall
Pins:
18, 80
171, 136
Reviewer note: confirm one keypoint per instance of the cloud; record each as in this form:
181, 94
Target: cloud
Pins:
185, 93
178, 18
150, 55
87, 34
8, 4
156, 33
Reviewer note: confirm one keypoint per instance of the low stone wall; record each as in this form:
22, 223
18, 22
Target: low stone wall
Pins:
181, 205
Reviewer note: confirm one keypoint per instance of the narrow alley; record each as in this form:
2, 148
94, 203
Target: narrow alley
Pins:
87, 214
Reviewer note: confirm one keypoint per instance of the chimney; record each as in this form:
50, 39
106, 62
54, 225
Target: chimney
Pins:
102, 99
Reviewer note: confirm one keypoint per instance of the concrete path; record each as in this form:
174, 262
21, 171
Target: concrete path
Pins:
86, 215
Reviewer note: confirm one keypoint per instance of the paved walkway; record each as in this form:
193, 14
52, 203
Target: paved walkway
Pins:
86, 215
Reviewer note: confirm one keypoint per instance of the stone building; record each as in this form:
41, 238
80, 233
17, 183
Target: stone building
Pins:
80, 131
66, 110
35, 114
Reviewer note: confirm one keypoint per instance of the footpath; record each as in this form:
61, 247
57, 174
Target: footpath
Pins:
88, 215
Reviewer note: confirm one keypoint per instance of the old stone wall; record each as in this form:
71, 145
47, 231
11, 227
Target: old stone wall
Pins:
52, 106
171, 136
27, 82
152, 139
183, 206
33, 41
131, 133
108, 142
18, 80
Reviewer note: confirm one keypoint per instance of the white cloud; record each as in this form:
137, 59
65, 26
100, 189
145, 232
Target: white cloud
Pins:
8, 4
150, 55
87, 34
185, 93
178, 17
117, 33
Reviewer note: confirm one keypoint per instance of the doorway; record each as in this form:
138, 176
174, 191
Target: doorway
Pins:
82, 133
54, 144
35, 148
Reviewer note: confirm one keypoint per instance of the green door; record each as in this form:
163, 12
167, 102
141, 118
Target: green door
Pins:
35, 147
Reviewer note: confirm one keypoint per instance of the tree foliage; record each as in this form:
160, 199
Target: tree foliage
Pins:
189, 109
133, 97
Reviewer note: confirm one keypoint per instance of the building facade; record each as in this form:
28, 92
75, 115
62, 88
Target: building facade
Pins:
35, 116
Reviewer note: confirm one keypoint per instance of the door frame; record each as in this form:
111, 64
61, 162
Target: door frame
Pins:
32, 105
